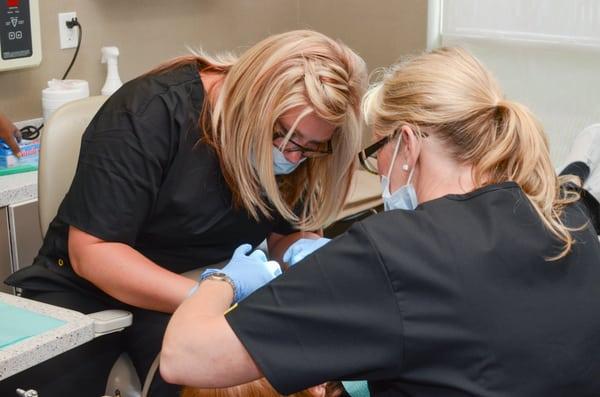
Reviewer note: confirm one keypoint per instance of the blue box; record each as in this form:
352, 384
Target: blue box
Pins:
30, 152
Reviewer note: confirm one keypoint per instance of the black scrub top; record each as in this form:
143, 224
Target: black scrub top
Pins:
144, 178
452, 299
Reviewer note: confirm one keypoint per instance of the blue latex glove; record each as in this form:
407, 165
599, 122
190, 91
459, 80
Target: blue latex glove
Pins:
247, 272
302, 248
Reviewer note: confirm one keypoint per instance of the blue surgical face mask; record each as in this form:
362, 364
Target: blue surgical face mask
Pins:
281, 165
405, 197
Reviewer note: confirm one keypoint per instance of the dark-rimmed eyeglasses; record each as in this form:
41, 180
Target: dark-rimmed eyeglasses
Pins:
368, 156
320, 150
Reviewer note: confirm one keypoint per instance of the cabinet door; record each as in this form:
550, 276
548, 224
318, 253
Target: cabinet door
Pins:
5, 262
26, 237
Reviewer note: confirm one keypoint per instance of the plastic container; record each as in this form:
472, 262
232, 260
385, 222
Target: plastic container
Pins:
60, 92
113, 81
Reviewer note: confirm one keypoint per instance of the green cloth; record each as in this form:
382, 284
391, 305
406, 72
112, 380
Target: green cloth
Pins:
17, 324
357, 388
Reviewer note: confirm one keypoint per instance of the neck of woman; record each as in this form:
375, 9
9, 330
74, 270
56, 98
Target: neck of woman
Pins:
441, 178
212, 82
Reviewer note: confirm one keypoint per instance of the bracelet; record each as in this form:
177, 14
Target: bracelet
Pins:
217, 275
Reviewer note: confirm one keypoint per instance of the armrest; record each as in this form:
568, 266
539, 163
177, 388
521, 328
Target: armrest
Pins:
109, 321
195, 273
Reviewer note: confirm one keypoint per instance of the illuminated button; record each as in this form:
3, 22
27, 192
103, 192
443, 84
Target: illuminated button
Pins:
61, 263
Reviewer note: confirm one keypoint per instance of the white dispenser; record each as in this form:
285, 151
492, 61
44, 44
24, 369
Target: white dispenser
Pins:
113, 81
60, 92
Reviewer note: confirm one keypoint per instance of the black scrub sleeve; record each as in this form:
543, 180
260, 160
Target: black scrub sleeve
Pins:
121, 165
333, 316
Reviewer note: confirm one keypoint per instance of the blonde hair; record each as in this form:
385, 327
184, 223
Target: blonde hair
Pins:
452, 94
295, 70
258, 388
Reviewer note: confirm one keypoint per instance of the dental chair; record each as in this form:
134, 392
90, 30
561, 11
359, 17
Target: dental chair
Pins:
59, 151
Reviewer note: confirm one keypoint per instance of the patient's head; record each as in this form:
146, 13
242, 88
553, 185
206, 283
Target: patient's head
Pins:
262, 388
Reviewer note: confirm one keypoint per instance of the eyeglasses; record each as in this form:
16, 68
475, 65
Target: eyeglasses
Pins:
320, 150
368, 156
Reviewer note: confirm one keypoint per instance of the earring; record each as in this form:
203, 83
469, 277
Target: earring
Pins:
405, 167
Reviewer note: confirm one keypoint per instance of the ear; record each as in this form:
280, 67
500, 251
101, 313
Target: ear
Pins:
318, 391
411, 146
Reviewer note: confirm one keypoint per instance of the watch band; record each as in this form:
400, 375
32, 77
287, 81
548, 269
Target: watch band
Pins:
220, 276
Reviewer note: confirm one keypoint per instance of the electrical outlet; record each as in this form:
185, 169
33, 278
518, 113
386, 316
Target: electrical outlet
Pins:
68, 37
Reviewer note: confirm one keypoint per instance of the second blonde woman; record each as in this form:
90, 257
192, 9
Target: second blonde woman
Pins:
480, 278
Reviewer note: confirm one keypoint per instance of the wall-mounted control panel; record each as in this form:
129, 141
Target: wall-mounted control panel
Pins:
20, 39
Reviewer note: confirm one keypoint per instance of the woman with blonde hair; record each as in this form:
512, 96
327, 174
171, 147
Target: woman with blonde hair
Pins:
180, 167
481, 278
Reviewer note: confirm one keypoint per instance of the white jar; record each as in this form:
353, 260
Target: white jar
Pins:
60, 92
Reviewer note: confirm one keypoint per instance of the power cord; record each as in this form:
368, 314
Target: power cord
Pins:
31, 132
71, 24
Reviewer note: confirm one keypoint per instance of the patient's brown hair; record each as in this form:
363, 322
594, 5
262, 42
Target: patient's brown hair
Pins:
258, 388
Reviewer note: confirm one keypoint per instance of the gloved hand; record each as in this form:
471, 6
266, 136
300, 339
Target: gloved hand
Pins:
302, 248
247, 272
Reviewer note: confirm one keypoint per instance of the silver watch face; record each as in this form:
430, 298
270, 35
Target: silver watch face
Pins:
218, 276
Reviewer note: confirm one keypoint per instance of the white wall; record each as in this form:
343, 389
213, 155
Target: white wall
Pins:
545, 53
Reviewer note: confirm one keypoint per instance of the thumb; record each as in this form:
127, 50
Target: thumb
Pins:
287, 255
242, 250
291, 252
258, 254
273, 268
298, 257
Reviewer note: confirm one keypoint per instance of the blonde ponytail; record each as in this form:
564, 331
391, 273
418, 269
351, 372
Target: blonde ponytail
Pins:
520, 153
450, 92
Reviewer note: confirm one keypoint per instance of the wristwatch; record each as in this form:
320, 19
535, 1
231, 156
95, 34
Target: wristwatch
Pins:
219, 276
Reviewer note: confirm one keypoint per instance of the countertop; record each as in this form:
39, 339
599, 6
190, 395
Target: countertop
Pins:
16, 188
29, 352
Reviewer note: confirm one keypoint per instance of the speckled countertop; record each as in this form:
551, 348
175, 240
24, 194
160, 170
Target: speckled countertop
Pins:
78, 330
18, 187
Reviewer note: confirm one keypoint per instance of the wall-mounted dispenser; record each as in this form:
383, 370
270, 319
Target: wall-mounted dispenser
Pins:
20, 38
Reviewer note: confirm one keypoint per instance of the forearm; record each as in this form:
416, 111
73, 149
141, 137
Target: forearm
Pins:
125, 274
199, 348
